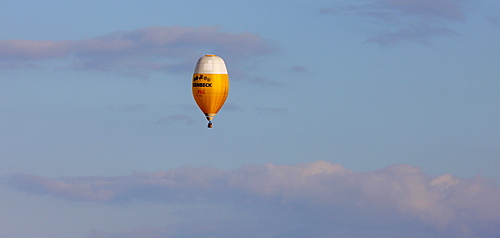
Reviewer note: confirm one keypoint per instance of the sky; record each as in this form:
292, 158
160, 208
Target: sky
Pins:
354, 118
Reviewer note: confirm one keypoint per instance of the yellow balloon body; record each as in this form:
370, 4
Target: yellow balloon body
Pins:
210, 85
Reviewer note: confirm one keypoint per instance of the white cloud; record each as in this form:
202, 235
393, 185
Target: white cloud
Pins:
131, 52
328, 194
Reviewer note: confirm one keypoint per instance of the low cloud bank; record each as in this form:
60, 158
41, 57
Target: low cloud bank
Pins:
326, 196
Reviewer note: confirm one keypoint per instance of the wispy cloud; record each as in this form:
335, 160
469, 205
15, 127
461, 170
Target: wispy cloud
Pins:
439, 9
232, 107
320, 197
421, 33
406, 20
493, 20
272, 110
131, 108
298, 69
187, 119
187, 107
154, 48
239, 74
149, 232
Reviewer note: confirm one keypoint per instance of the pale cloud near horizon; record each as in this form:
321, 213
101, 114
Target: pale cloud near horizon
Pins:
406, 20
320, 192
132, 52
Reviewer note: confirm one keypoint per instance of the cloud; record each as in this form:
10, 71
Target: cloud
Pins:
131, 108
177, 118
493, 20
149, 232
445, 9
406, 20
187, 107
419, 33
239, 74
388, 10
272, 110
133, 52
328, 10
317, 198
298, 69
232, 107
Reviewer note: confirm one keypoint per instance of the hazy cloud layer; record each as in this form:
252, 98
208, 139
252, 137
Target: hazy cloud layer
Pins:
406, 20
317, 199
133, 52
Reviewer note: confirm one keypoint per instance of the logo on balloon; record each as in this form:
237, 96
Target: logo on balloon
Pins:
200, 77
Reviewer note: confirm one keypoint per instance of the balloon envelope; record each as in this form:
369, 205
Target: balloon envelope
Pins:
210, 85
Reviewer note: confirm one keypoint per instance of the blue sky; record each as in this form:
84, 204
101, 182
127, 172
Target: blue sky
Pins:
345, 118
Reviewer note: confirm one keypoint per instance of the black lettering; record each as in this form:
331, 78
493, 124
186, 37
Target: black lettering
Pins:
202, 85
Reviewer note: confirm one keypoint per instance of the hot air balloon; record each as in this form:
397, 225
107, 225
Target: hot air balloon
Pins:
210, 85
